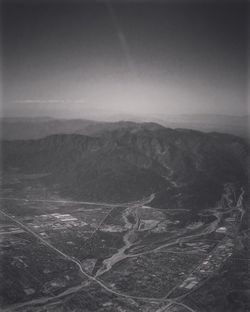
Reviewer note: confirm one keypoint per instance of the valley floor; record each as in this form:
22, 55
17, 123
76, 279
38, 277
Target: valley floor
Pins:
65, 255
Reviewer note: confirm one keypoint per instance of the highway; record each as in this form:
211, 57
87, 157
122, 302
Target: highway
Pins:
60, 201
173, 302
142, 202
78, 264
90, 277
237, 204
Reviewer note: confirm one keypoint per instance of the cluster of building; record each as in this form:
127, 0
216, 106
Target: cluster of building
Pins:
210, 265
64, 217
54, 221
8, 229
199, 246
213, 261
112, 228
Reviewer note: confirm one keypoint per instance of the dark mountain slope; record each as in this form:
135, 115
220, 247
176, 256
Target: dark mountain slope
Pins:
133, 161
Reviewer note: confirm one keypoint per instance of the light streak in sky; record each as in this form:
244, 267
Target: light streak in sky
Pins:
122, 38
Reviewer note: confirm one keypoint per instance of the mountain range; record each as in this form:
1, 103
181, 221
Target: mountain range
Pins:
35, 128
125, 161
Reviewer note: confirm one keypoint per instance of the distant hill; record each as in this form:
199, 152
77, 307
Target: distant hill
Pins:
237, 125
132, 160
35, 128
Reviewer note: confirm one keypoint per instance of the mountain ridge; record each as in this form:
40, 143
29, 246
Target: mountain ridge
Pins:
28, 128
131, 162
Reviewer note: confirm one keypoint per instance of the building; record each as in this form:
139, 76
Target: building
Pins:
221, 229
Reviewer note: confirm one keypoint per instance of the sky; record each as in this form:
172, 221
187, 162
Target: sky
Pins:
99, 58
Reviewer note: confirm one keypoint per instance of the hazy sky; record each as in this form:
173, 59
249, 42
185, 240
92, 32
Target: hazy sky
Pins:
80, 58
